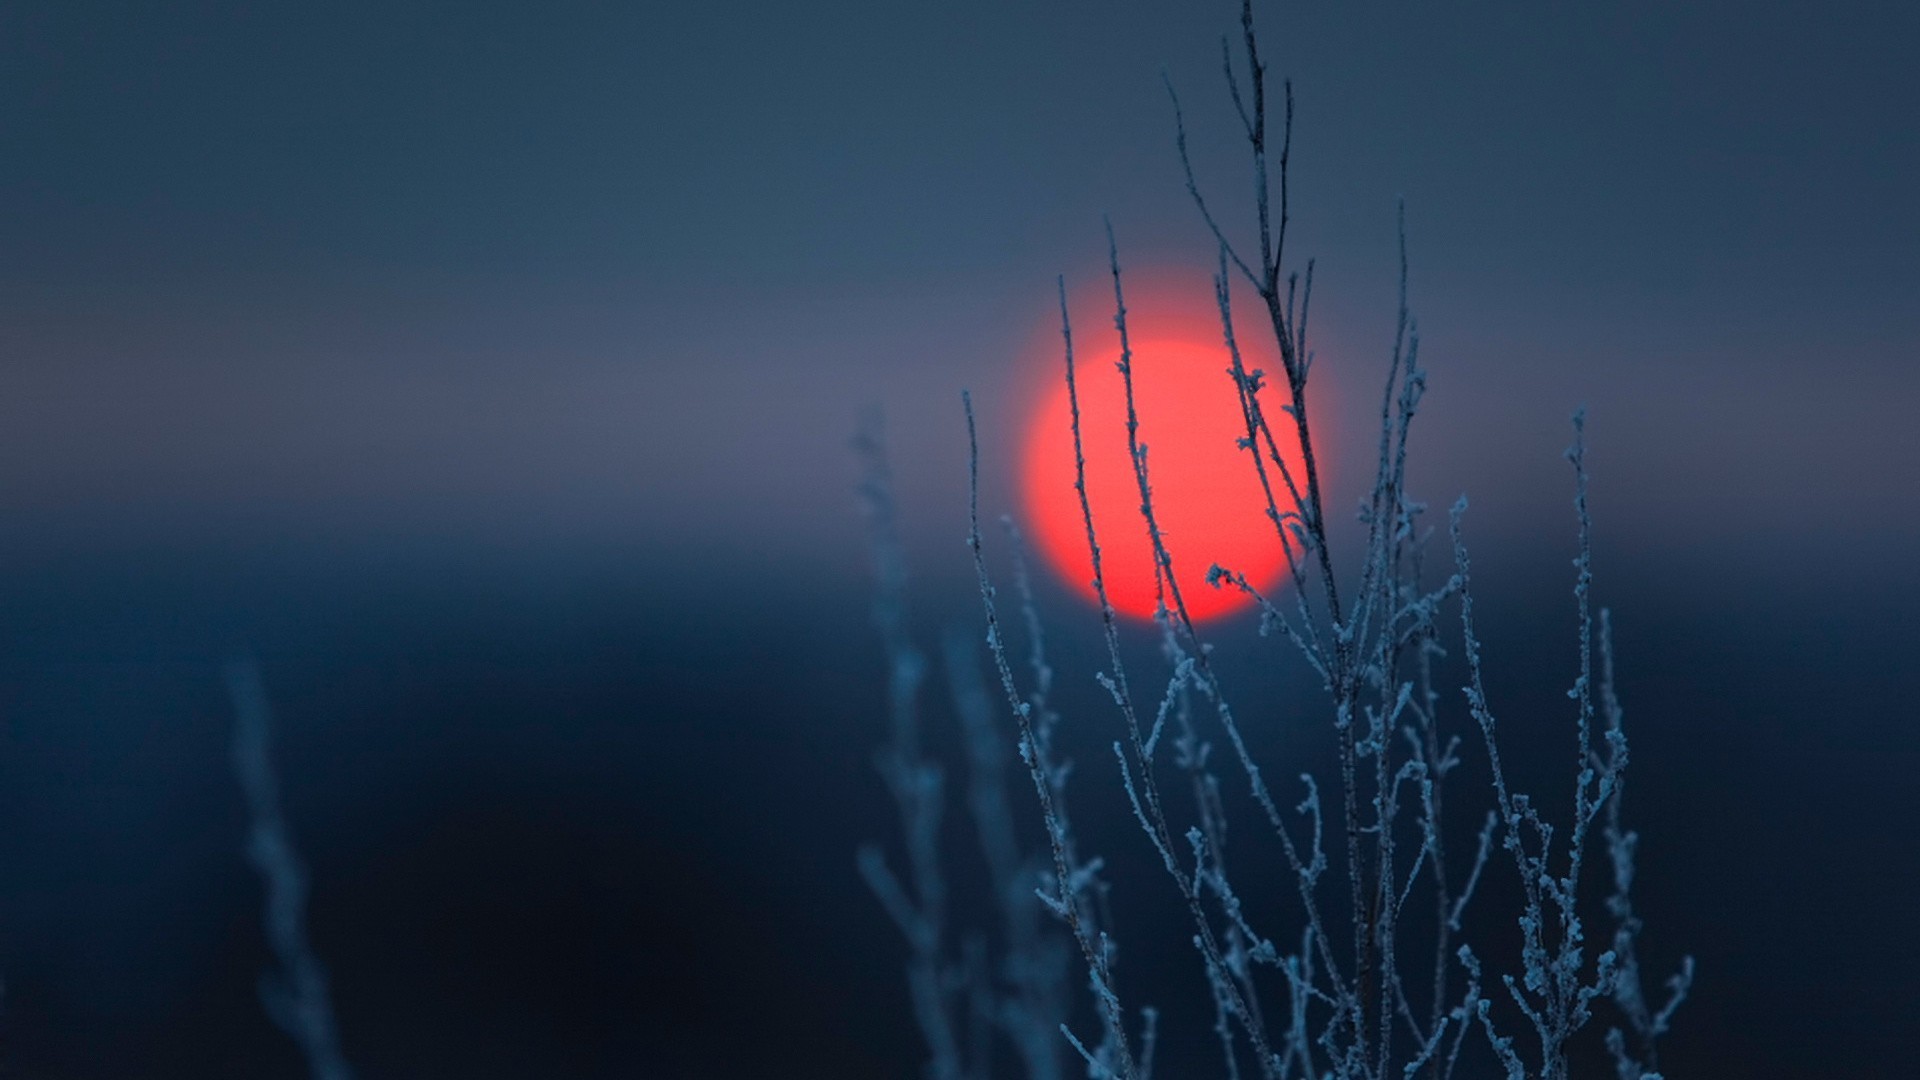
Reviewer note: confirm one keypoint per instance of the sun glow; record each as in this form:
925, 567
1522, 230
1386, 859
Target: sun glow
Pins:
1207, 497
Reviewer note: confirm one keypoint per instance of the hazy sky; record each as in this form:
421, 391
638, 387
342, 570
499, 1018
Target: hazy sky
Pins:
611, 274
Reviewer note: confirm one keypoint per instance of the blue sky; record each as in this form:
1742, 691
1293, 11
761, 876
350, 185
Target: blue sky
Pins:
605, 274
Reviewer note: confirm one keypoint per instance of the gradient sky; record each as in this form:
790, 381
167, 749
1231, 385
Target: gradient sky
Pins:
624, 273
489, 369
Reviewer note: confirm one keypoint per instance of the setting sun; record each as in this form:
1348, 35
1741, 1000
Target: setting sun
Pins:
1206, 494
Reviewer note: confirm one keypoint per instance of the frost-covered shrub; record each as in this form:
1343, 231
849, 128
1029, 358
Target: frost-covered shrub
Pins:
1375, 979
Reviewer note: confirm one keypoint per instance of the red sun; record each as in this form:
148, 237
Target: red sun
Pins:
1207, 497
